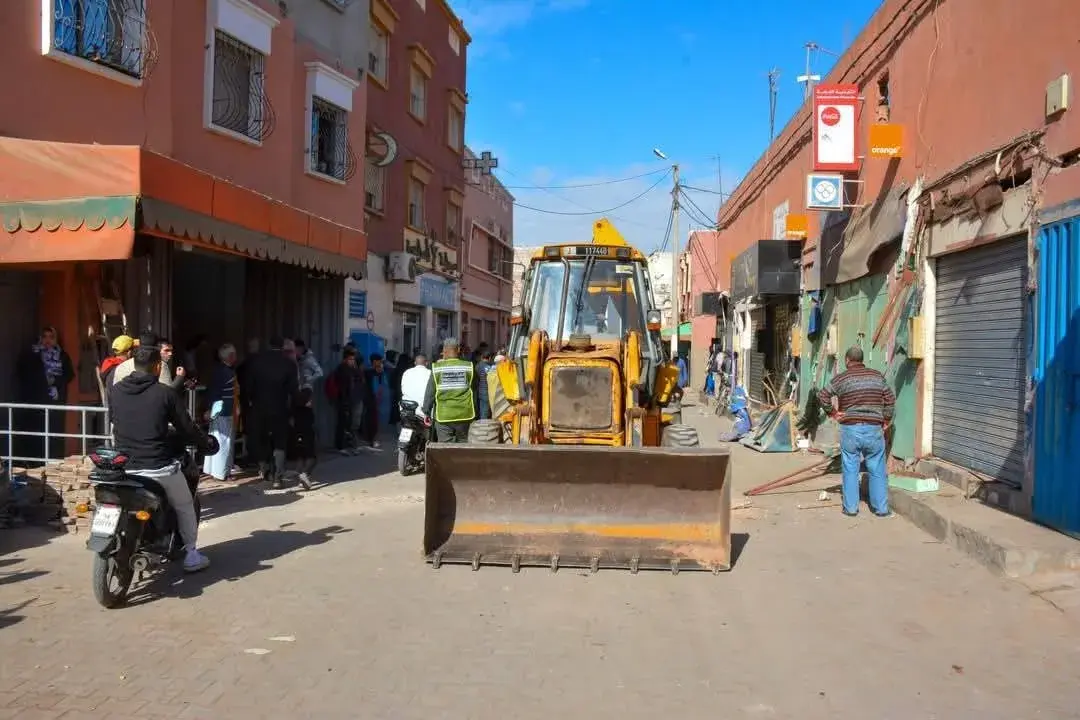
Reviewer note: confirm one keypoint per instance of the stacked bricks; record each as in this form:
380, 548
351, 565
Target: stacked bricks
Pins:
67, 485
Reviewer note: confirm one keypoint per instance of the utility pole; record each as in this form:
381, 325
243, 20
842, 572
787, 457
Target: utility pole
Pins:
774, 75
675, 290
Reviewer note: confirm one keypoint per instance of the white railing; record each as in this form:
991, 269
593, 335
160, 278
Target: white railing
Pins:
48, 422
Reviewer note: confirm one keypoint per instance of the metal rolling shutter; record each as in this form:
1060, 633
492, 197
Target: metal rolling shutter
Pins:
979, 359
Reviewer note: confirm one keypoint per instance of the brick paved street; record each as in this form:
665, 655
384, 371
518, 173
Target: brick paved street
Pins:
321, 606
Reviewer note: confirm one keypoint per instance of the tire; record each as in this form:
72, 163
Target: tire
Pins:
485, 432
677, 435
402, 462
106, 568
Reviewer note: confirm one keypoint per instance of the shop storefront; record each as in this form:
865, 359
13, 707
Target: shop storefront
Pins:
765, 288
138, 241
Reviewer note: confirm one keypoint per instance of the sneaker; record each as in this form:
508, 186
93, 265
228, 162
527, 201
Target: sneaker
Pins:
195, 561
275, 484
304, 480
850, 514
376, 444
346, 452
886, 514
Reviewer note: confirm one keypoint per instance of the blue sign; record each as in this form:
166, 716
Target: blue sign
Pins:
357, 304
824, 191
436, 293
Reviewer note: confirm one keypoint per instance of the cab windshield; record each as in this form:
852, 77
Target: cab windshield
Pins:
603, 299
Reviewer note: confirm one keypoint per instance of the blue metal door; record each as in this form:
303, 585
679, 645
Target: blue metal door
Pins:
1056, 491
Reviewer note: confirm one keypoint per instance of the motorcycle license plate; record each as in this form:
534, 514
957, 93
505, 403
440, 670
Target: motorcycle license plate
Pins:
106, 518
405, 435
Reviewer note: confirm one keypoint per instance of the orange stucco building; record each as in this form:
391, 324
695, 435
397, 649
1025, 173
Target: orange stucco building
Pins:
195, 161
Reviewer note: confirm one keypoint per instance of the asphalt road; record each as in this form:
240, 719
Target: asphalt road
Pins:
320, 605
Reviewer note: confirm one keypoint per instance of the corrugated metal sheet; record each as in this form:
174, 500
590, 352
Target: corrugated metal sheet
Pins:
979, 361
290, 301
1056, 492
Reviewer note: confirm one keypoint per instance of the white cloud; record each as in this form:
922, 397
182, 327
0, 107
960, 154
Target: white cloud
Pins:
487, 20
642, 222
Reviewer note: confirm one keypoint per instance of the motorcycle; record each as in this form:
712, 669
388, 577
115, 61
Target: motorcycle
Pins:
412, 439
134, 529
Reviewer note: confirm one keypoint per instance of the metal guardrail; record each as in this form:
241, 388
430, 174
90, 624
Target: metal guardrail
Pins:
43, 419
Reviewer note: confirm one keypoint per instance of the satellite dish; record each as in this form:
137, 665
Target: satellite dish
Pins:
383, 146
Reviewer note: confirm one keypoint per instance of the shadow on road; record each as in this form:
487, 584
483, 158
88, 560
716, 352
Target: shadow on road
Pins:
10, 617
233, 560
738, 544
220, 502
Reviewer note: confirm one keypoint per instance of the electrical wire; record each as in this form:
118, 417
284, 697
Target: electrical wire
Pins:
597, 212
584, 207
667, 231
581, 185
702, 217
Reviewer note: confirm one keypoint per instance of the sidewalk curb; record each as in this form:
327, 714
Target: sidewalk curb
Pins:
998, 554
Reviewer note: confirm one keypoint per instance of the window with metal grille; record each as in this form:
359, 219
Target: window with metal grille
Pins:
329, 138
417, 93
378, 52
374, 186
416, 204
112, 33
455, 128
453, 224
239, 100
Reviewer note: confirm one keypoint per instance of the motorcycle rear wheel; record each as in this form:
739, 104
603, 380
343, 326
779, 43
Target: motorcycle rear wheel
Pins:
402, 462
106, 569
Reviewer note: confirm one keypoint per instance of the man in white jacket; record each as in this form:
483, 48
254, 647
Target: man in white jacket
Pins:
414, 383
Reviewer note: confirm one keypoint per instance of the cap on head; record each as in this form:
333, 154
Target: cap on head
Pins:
123, 344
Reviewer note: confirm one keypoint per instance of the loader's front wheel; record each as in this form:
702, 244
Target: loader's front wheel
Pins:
676, 435
485, 432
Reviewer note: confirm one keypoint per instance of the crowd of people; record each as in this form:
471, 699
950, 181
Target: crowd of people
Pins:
265, 402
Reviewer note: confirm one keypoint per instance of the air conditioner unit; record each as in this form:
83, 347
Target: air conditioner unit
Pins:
708, 304
401, 267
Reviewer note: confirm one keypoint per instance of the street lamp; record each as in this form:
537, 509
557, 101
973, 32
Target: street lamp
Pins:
674, 253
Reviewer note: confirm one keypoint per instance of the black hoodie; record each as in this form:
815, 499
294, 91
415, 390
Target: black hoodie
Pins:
141, 409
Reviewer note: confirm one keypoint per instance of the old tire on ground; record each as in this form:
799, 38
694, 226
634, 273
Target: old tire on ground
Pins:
485, 432
678, 435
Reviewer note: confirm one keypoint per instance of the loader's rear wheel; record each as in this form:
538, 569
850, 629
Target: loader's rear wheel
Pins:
680, 436
485, 432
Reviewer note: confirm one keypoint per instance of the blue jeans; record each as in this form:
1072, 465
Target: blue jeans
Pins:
856, 443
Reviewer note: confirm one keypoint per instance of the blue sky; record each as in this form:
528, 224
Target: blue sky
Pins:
570, 92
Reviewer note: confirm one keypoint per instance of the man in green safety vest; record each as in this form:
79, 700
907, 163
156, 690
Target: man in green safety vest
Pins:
452, 393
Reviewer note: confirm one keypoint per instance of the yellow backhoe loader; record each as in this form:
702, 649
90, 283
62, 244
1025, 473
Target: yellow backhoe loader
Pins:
587, 462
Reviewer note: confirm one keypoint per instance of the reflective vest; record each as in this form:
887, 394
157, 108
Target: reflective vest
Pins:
454, 401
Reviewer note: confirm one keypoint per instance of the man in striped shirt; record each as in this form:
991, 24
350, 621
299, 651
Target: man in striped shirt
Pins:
863, 403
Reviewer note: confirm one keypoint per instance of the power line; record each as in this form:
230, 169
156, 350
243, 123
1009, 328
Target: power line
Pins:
598, 212
585, 207
693, 206
581, 185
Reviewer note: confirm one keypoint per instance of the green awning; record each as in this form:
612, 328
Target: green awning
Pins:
684, 331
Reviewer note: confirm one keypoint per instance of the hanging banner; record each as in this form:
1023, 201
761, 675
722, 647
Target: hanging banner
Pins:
836, 121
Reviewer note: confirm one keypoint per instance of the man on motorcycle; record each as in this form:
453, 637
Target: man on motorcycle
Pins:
414, 383
142, 410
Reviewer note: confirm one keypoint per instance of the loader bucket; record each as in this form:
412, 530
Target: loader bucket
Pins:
578, 506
